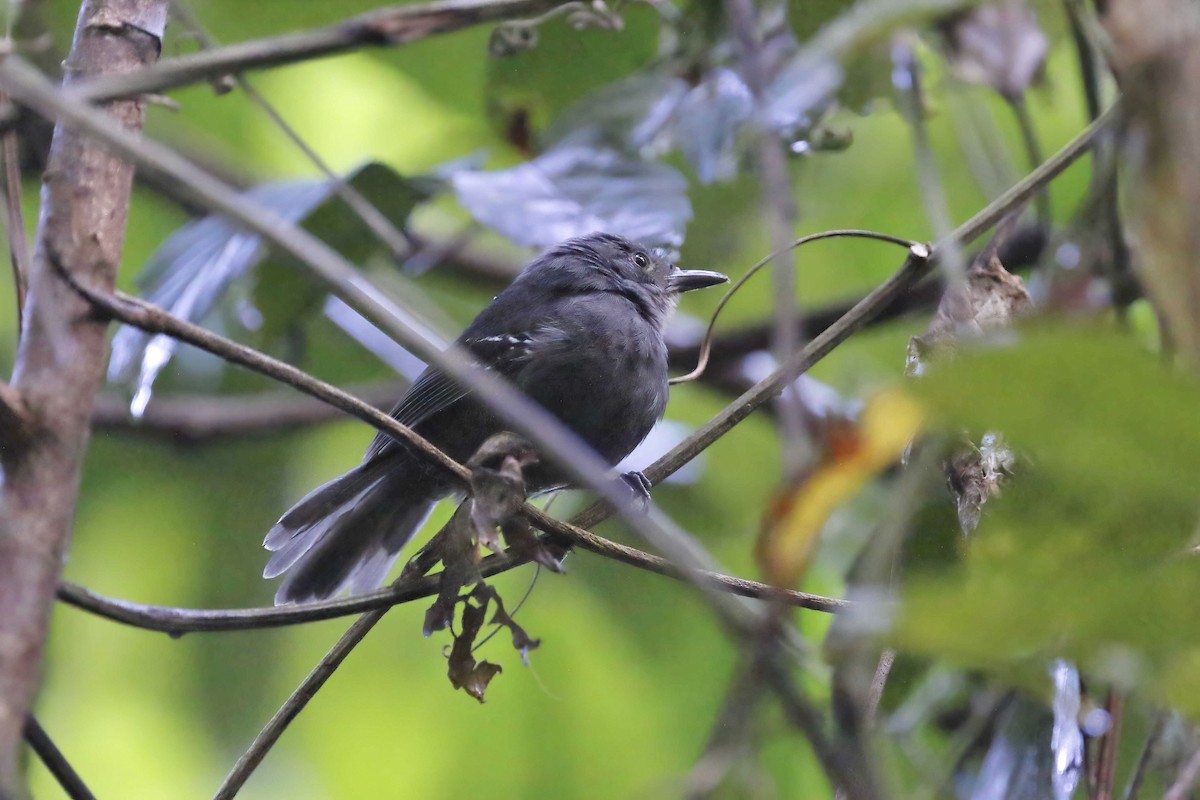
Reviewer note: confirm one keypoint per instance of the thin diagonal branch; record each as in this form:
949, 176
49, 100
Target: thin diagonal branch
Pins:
151, 318
384, 27
1185, 779
379, 225
202, 418
912, 102
308, 688
55, 762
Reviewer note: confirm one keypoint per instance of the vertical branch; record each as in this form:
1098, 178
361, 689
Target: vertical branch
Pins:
14, 220
906, 74
60, 360
1155, 54
779, 209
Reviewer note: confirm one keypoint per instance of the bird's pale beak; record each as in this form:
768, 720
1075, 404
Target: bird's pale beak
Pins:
685, 280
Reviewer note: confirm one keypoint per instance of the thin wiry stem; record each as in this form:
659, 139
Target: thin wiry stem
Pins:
1033, 150
912, 100
779, 209
707, 341
379, 225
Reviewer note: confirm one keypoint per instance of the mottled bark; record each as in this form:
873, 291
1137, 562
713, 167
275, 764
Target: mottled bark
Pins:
60, 360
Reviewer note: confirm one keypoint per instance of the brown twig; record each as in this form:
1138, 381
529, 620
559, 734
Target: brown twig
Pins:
1106, 770
178, 621
384, 27
60, 359
151, 318
55, 762
200, 418
729, 734
308, 688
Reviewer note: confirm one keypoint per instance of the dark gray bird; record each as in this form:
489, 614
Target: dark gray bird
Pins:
580, 331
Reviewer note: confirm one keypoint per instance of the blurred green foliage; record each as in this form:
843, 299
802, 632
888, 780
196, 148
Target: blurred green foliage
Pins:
1083, 556
621, 695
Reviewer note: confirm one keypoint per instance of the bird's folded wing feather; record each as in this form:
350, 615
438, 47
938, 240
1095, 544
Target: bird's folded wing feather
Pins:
434, 392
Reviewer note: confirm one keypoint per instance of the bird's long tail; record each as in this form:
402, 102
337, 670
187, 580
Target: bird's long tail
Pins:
345, 534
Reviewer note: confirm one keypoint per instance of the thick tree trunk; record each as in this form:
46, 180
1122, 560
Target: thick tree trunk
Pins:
60, 361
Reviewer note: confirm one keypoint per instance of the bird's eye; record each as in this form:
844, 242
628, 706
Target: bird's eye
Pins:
641, 260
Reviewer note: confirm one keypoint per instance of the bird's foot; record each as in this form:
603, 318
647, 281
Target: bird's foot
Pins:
640, 485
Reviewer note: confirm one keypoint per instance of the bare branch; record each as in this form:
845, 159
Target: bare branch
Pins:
178, 621
779, 208
196, 419
1106, 766
60, 359
56, 763
1138, 774
153, 319
397, 25
308, 688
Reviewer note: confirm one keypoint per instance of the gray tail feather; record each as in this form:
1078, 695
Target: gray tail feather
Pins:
345, 534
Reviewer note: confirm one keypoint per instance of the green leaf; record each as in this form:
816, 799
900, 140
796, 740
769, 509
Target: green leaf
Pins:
1086, 553
528, 90
282, 293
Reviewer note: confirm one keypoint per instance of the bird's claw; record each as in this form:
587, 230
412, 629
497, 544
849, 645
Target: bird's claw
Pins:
640, 485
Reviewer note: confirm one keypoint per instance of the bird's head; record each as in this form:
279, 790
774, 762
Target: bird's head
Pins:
605, 262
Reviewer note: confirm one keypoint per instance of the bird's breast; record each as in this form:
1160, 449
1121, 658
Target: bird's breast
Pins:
608, 384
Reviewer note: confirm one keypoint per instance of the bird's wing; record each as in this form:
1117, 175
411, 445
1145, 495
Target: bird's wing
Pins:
434, 392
